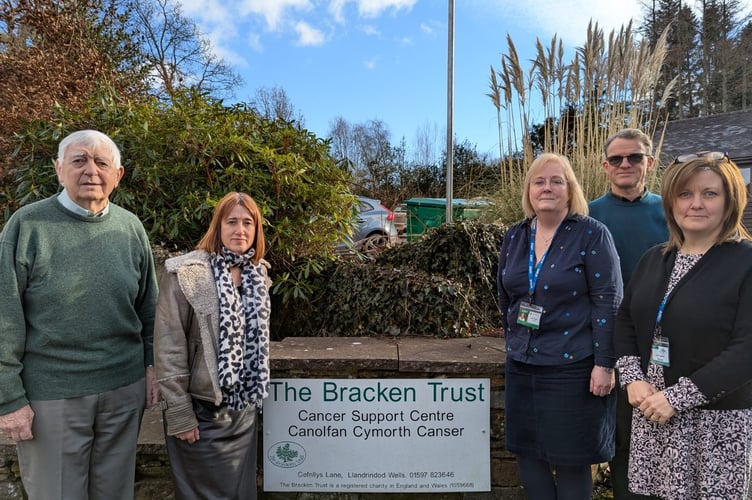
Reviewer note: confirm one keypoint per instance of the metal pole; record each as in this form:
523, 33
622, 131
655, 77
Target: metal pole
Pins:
450, 119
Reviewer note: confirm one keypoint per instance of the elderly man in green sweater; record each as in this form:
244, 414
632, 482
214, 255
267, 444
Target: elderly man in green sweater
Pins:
637, 222
77, 300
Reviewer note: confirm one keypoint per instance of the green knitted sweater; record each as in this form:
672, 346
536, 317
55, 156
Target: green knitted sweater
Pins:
77, 303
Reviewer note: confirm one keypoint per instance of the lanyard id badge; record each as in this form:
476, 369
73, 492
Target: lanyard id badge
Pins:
530, 315
659, 353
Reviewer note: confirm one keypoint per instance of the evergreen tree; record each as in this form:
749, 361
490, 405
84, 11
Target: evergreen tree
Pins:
742, 71
708, 59
681, 57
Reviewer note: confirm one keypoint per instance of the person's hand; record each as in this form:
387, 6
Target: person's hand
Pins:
602, 381
17, 425
152, 388
657, 408
190, 436
638, 391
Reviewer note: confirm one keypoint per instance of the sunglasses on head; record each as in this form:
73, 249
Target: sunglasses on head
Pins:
709, 155
633, 159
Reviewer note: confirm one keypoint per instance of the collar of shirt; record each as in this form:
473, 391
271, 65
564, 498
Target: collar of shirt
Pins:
66, 201
636, 200
570, 217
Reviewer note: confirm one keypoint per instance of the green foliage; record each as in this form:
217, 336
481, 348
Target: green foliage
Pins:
474, 175
180, 160
443, 285
707, 61
466, 252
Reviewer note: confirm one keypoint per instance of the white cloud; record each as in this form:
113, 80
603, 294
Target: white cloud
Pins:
370, 30
370, 63
273, 11
432, 27
308, 35
212, 12
578, 13
374, 8
216, 22
227, 20
336, 8
254, 42
368, 8
568, 19
225, 50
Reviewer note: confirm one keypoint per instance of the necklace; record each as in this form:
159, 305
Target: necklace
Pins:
546, 241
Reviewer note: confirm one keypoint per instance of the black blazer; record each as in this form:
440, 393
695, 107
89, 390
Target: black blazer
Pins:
708, 320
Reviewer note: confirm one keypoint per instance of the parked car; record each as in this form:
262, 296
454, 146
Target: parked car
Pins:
375, 226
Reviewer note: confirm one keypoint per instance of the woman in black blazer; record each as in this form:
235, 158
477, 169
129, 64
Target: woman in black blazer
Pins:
683, 340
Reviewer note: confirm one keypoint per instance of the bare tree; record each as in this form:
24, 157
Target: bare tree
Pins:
177, 54
343, 146
273, 104
373, 153
366, 150
426, 144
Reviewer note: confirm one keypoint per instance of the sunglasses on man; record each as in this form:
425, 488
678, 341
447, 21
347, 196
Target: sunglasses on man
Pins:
634, 159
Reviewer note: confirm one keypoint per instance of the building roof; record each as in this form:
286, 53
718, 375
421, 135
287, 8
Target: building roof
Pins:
727, 132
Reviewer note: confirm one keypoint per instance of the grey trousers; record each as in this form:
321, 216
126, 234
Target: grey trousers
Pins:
84, 448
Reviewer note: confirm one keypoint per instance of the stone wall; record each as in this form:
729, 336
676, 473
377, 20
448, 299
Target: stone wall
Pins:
316, 357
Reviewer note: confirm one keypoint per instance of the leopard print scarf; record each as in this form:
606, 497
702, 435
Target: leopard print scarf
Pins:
243, 351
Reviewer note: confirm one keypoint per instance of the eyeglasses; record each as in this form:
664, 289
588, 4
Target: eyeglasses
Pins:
708, 155
555, 182
633, 159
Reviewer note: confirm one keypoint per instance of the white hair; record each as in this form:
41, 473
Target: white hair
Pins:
89, 138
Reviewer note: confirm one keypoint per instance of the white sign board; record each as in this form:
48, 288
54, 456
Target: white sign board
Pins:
377, 435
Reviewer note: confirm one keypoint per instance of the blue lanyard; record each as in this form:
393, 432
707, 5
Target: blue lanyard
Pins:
661, 308
533, 271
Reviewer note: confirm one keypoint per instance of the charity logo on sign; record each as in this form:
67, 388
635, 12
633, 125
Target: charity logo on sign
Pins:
286, 454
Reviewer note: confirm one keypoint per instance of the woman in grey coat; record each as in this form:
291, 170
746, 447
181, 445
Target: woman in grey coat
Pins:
211, 344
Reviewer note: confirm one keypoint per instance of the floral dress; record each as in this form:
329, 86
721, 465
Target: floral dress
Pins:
698, 454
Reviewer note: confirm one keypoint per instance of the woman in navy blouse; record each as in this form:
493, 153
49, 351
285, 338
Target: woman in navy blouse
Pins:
559, 287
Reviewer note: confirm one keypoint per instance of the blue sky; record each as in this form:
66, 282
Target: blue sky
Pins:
387, 59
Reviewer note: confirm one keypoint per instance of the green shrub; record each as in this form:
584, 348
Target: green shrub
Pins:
181, 159
443, 285
466, 252
362, 299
